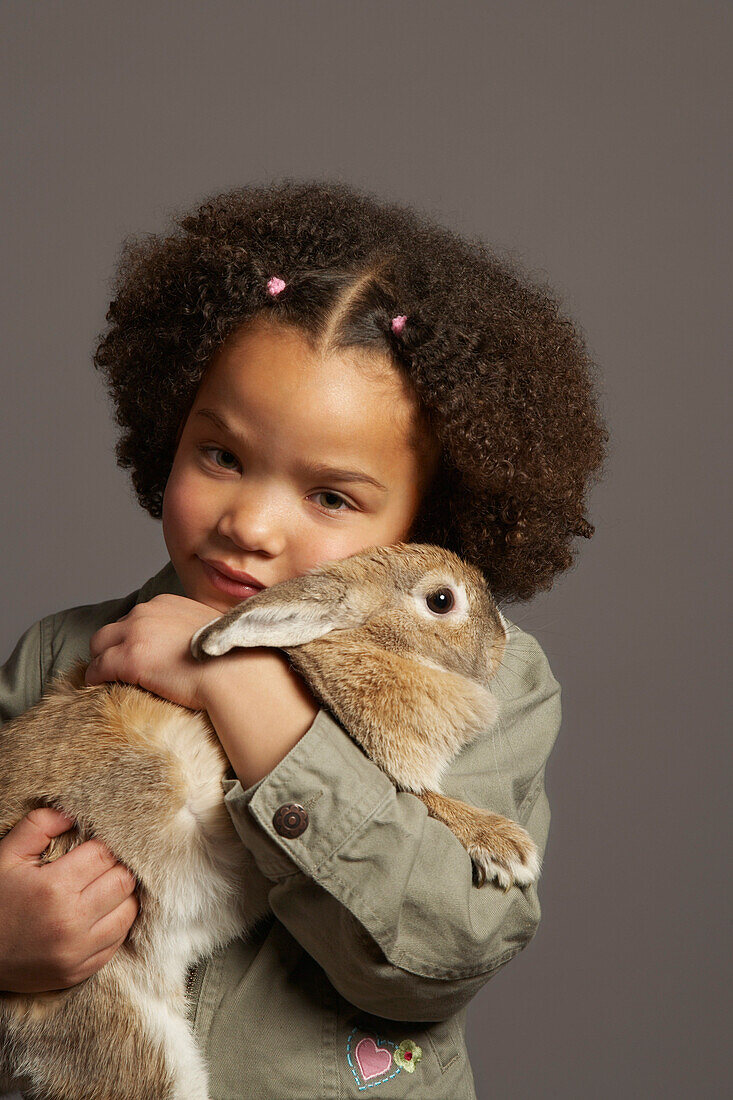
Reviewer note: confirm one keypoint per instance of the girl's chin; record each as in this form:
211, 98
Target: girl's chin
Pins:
214, 600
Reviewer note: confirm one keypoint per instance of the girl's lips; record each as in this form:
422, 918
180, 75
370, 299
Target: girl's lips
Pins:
227, 585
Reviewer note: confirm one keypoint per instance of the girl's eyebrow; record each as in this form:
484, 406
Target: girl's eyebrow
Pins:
315, 469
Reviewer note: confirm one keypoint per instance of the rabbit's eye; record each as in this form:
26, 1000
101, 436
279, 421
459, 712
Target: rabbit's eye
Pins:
440, 601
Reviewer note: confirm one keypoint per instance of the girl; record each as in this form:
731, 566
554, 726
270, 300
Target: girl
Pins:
300, 372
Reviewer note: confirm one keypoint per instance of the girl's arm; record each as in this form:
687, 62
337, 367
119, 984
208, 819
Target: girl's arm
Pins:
377, 892
380, 894
30, 667
21, 682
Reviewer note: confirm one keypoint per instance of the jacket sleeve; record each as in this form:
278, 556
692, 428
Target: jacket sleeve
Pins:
50, 646
21, 677
380, 894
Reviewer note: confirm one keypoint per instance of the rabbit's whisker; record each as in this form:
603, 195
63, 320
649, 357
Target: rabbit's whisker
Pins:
511, 671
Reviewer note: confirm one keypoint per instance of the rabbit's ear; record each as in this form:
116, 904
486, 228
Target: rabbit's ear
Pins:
267, 626
276, 618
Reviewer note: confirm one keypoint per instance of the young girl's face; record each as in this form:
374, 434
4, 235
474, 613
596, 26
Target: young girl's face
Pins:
288, 460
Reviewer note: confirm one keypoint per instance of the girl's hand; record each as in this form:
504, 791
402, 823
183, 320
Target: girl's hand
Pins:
150, 647
61, 921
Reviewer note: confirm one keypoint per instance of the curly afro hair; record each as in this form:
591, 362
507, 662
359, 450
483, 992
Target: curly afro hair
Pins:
502, 378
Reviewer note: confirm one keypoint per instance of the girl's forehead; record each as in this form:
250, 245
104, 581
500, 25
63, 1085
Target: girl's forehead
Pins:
275, 374
265, 345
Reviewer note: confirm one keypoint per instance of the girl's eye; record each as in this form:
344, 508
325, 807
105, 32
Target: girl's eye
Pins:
322, 493
217, 450
342, 500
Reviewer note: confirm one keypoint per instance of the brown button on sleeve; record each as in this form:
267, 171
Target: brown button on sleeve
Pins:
291, 819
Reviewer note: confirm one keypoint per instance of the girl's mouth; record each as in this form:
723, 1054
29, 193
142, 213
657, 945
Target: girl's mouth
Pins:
227, 585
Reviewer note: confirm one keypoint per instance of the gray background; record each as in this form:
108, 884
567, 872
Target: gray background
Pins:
588, 140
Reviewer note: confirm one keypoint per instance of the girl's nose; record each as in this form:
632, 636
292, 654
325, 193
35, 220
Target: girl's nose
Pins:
253, 527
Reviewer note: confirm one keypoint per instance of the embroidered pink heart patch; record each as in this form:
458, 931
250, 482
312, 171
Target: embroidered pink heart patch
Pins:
372, 1060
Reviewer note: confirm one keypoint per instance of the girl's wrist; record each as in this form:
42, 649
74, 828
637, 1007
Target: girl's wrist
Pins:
260, 708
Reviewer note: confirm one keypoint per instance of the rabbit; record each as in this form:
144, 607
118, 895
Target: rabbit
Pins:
398, 642
409, 681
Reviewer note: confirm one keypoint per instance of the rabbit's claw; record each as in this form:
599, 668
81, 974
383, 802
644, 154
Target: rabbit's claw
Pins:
499, 848
505, 853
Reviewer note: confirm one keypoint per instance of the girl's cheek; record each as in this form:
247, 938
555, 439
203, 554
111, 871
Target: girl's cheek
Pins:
335, 546
184, 504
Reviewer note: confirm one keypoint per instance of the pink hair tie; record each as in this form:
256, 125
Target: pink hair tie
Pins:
275, 285
398, 323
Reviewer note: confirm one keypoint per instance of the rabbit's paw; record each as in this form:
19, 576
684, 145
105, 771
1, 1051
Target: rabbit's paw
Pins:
504, 851
499, 848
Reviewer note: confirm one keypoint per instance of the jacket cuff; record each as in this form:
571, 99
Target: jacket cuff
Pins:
328, 774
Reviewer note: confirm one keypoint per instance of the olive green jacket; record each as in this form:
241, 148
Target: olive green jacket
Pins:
378, 939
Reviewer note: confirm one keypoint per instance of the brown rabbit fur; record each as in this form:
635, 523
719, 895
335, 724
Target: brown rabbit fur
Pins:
398, 642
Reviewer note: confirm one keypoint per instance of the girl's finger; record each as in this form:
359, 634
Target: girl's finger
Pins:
107, 636
108, 666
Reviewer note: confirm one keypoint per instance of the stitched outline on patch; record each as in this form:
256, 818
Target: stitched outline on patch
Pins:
367, 1034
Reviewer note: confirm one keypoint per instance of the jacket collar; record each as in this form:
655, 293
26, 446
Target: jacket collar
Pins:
165, 580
